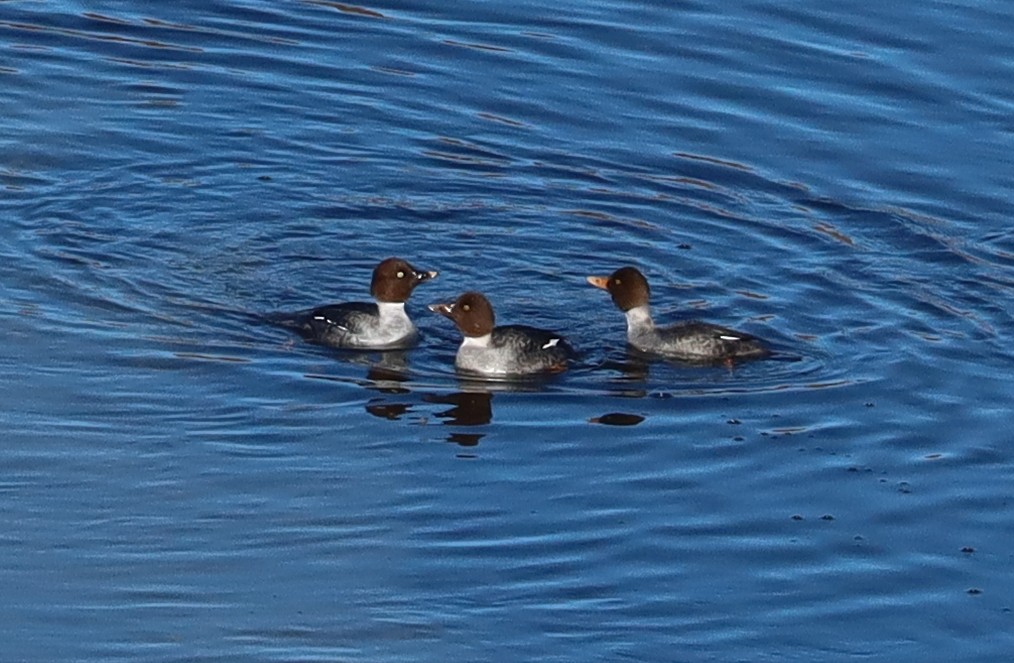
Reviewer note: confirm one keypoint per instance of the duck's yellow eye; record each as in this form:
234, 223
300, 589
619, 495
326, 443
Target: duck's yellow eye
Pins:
466, 307
401, 275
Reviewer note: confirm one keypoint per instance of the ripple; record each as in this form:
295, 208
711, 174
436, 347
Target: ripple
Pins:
809, 174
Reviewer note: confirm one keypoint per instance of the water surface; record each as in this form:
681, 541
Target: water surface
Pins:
185, 482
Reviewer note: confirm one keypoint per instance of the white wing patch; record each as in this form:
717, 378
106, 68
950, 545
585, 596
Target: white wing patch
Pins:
330, 322
551, 343
725, 337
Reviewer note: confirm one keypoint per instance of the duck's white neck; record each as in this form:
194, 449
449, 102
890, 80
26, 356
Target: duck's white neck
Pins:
476, 341
639, 320
391, 310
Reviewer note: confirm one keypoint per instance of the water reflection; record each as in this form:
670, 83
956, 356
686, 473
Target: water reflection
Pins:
632, 372
387, 374
468, 408
617, 419
465, 439
386, 370
378, 407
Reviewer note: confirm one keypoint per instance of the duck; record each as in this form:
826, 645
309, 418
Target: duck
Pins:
509, 350
379, 325
690, 340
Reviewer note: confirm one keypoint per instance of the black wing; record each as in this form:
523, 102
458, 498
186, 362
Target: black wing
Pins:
333, 323
533, 342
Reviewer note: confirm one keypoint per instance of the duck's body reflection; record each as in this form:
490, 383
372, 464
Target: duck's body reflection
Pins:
469, 410
389, 373
470, 407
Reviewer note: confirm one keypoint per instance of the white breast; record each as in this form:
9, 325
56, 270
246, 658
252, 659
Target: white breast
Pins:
476, 355
393, 326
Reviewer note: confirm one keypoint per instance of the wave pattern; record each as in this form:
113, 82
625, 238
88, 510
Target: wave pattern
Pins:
817, 176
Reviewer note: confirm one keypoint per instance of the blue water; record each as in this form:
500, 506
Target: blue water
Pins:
181, 481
